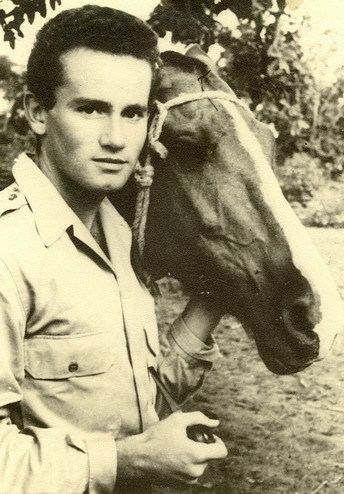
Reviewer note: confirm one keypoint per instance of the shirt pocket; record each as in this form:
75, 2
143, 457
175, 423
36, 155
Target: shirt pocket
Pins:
63, 357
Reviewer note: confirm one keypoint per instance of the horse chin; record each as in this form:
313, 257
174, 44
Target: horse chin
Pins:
277, 366
276, 363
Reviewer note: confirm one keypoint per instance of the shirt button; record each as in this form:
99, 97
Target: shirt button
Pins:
12, 196
73, 366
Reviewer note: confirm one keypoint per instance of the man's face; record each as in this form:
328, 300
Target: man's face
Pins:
97, 127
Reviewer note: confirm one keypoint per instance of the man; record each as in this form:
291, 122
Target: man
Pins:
77, 329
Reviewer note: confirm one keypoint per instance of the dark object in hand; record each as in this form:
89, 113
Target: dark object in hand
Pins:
200, 433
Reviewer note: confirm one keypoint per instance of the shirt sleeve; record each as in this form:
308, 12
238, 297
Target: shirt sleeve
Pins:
41, 460
184, 362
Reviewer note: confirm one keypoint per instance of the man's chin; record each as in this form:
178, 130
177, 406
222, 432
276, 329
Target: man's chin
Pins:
107, 187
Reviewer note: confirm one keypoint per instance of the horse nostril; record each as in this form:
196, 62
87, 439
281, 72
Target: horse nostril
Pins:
300, 318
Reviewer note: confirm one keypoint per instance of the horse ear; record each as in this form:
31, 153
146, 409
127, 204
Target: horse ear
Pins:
195, 51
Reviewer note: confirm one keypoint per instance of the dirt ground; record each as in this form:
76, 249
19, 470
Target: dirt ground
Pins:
285, 434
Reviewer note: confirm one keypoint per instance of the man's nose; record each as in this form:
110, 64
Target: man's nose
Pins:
112, 134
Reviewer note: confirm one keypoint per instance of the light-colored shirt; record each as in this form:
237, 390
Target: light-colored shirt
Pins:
77, 335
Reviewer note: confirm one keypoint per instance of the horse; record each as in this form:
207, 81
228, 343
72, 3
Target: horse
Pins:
217, 220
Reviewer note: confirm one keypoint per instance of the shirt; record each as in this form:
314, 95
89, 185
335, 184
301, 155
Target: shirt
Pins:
77, 335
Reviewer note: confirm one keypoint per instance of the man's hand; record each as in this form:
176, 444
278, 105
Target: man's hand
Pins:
164, 453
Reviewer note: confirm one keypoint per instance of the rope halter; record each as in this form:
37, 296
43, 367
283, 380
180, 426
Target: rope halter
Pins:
144, 174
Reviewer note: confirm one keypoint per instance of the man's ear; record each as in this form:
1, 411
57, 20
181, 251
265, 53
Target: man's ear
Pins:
35, 114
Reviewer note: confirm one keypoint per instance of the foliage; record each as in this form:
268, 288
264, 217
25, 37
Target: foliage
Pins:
14, 130
267, 68
325, 208
327, 136
193, 21
12, 20
300, 177
322, 218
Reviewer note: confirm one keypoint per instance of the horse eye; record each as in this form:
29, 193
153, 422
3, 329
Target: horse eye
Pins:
190, 153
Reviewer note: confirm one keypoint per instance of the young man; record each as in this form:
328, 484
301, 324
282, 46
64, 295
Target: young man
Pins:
77, 330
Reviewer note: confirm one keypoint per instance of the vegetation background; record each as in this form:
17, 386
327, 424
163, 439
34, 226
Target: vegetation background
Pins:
262, 58
284, 434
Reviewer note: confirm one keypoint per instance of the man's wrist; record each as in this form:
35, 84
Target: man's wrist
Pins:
130, 458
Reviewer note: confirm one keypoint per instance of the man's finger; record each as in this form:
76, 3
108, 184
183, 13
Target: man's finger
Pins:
194, 418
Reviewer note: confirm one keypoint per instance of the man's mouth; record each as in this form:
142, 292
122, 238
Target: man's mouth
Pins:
113, 161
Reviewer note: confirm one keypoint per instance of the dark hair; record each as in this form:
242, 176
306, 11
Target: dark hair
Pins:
91, 26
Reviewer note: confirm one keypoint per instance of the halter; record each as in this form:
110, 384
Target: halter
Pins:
144, 174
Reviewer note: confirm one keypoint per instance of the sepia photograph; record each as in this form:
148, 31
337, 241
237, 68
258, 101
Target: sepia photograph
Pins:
171, 247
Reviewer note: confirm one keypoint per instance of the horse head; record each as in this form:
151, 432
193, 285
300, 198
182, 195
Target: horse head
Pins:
218, 221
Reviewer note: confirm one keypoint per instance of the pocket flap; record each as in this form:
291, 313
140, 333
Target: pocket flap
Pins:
61, 357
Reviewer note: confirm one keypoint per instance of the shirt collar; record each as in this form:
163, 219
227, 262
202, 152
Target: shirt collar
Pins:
53, 216
51, 213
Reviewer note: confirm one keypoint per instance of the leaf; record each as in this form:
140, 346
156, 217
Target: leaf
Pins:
10, 37
53, 3
30, 15
28, 8
2, 17
41, 8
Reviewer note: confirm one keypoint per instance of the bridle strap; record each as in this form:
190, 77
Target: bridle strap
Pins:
183, 98
214, 94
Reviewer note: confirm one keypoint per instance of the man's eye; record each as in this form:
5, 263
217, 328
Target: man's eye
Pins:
91, 111
134, 114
